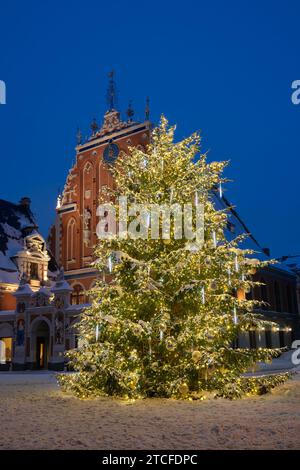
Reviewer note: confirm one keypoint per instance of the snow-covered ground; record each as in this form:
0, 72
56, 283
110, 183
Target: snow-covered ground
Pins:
35, 414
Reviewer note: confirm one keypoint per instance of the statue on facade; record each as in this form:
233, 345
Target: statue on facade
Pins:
24, 279
87, 219
59, 328
20, 332
86, 227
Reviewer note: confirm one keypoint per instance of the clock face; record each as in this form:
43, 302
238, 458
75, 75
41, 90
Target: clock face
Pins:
111, 153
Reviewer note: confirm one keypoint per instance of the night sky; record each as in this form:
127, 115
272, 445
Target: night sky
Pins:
222, 67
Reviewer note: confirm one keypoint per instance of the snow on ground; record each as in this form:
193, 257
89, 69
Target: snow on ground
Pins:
35, 414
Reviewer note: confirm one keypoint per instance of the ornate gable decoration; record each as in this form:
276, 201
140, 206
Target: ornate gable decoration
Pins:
112, 123
70, 189
40, 298
36, 246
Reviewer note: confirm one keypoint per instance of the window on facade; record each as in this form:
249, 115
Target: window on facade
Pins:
289, 297
277, 296
281, 339
252, 339
77, 296
71, 236
268, 335
34, 271
5, 350
264, 293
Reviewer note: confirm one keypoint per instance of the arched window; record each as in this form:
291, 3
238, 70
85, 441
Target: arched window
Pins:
34, 271
277, 296
77, 296
264, 293
6, 335
88, 167
71, 237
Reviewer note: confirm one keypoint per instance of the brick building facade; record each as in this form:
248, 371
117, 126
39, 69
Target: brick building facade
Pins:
73, 238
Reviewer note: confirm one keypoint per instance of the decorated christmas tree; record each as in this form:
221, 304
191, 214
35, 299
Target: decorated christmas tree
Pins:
165, 318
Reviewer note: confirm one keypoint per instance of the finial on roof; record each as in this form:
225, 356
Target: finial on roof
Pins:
130, 111
94, 126
59, 201
111, 95
25, 202
61, 275
147, 109
79, 137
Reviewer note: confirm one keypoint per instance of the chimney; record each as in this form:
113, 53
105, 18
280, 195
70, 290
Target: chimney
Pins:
266, 251
25, 202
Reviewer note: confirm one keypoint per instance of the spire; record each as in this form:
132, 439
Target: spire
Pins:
111, 95
147, 109
130, 111
94, 126
79, 137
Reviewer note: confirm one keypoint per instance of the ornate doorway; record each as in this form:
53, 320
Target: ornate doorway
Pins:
41, 336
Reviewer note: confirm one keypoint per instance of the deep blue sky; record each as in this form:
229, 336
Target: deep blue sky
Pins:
224, 67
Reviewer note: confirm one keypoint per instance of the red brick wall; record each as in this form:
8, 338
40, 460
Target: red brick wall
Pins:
81, 182
7, 301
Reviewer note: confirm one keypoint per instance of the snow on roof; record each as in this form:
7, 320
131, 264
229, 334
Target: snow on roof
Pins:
43, 290
76, 307
16, 223
23, 289
61, 286
7, 312
16, 220
9, 277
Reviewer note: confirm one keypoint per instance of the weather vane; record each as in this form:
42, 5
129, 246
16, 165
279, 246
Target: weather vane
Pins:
79, 137
147, 109
94, 126
130, 111
111, 92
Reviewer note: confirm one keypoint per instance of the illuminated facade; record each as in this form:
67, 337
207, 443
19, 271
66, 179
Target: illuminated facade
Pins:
73, 238
35, 313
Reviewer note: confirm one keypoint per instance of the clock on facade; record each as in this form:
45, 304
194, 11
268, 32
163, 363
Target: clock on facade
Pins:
111, 153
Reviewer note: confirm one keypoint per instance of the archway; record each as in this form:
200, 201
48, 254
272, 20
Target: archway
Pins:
6, 336
40, 336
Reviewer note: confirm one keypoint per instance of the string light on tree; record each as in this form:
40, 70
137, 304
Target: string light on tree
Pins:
176, 308
236, 263
214, 239
220, 190
110, 263
203, 294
